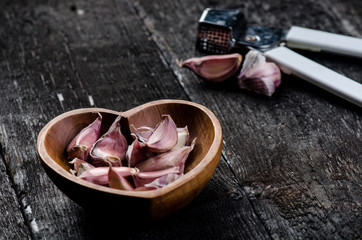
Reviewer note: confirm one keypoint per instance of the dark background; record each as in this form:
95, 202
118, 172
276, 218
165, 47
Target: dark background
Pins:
291, 163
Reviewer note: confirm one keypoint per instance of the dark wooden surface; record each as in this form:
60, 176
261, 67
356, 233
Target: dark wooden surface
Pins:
291, 164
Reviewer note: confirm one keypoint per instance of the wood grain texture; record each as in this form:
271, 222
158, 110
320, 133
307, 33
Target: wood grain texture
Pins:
289, 152
12, 223
291, 164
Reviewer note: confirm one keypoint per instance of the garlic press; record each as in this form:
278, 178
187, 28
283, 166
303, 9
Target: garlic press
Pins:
222, 31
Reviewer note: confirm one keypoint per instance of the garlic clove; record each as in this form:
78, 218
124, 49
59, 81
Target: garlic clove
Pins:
174, 158
163, 181
117, 181
143, 132
111, 147
258, 75
99, 175
182, 163
263, 79
81, 144
183, 138
214, 68
143, 178
252, 59
164, 136
135, 153
80, 166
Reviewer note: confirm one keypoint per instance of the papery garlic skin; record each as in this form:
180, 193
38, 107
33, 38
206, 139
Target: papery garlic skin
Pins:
214, 68
117, 181
142, 178
143, 132
252, 59
183, 138
80, 166
81, 144
174, 158
164, 136
164, 180
99, 175
258, 75
135, 153
110, 148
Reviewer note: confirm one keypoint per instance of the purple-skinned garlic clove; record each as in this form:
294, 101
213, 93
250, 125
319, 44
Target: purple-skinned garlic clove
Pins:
80, 166
143, 132
81, 144
214, 68
163, 181
135, 153
110, 148
174, 158
142, 178
99, 175
164, 136
258, 75
117, 181
183, 138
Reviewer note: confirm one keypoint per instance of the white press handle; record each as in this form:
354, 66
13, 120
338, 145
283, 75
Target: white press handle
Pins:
293, 63
315, 40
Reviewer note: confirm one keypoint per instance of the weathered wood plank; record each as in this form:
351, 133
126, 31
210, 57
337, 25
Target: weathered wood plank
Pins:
12, 224
297, 153
72, 56
291, 163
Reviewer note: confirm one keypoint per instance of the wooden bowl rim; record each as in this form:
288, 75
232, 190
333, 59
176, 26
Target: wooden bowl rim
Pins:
209, 157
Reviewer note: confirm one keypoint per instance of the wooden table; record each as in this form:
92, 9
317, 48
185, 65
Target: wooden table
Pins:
291, 164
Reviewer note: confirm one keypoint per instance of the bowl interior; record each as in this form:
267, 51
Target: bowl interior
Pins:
63, 129
199, 124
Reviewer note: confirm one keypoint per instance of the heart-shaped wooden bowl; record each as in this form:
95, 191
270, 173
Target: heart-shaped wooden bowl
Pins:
155, 204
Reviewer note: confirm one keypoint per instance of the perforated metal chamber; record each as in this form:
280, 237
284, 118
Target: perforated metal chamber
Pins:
223, 31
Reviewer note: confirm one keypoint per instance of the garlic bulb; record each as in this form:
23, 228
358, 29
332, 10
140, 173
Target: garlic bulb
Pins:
258, 75
214, 68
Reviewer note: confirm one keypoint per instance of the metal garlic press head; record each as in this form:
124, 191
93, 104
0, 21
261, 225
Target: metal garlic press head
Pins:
221, 30
226, 30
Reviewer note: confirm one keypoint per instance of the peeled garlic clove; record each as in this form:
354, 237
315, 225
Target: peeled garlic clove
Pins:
183, 138
258, 75
164, 136
80, 166
174, 158
110, 148
117, 181
214, 68
135, 153
99, 175
81, 144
